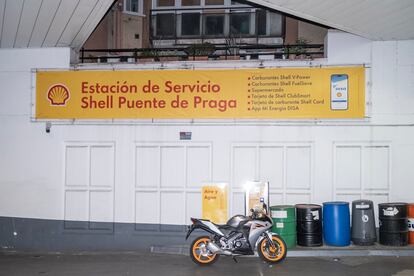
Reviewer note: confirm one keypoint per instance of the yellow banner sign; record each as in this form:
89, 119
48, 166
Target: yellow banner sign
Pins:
214, 203
283, 93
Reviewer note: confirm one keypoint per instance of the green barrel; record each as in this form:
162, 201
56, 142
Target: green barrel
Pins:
284, 223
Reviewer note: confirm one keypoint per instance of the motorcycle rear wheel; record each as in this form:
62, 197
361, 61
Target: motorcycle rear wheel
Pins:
199, 252
272, 255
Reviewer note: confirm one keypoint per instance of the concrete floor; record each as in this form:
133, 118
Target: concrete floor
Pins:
165, 264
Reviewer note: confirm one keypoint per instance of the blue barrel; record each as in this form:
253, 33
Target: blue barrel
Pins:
336, 223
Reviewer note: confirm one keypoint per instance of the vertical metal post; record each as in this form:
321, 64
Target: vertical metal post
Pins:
175, 26
150, 28
202, 25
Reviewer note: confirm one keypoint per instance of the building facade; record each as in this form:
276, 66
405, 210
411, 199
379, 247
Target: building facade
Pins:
127, 184
125, 25
161, 23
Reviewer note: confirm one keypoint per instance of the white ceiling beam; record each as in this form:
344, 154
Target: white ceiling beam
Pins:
372, 19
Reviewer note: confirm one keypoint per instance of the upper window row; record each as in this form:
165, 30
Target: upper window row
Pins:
172, 3
193, 24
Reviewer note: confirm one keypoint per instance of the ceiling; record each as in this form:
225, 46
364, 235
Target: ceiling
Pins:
372, 19
49, 23
68, 23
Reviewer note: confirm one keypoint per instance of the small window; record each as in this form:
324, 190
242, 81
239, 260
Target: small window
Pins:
165, 25
276, 22
261, 22
190, 2
240, 23
214, 24
236, 3
165, 3
131, 6
190, 24
214, 2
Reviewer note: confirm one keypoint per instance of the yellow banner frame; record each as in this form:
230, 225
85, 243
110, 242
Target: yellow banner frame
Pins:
280, 93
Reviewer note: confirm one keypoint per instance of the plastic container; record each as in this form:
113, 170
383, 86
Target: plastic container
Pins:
363, 222
336, 223
410, 215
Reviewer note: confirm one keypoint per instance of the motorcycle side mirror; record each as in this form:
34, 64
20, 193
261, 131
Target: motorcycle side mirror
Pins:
253, 213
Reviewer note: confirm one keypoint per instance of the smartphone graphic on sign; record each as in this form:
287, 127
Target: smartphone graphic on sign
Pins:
339, 92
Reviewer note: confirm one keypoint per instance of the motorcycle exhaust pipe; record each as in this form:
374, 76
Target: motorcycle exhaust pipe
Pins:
215, 249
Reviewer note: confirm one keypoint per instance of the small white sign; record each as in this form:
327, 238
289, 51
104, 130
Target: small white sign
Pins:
411, 224
279, 214
390, 211
279, 224
315, 215
362, 206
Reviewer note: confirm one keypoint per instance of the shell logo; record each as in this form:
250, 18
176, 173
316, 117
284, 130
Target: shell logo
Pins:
58, 94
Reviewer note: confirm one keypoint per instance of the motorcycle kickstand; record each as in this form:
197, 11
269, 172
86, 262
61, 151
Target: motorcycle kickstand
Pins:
235, 260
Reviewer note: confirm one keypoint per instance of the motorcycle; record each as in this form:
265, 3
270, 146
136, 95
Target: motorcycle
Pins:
241, 235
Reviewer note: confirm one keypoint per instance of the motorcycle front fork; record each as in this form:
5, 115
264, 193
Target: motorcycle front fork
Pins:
269, 239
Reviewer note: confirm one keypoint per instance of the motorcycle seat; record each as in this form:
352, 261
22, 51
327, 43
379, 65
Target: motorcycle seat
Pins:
219, 226
228, 227
224, 227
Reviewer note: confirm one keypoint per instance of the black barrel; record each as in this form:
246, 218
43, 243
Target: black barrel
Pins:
309, 224
393, 228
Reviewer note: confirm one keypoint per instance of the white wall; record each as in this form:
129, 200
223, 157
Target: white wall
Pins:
344, 48
29, 176
142, 172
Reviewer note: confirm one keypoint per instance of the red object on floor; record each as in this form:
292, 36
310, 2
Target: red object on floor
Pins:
410, 216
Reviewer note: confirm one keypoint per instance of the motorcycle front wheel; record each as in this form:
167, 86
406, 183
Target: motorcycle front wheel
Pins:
270, 254
199, 252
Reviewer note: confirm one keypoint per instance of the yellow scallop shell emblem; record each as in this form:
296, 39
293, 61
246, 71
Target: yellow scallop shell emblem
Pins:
58, 94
